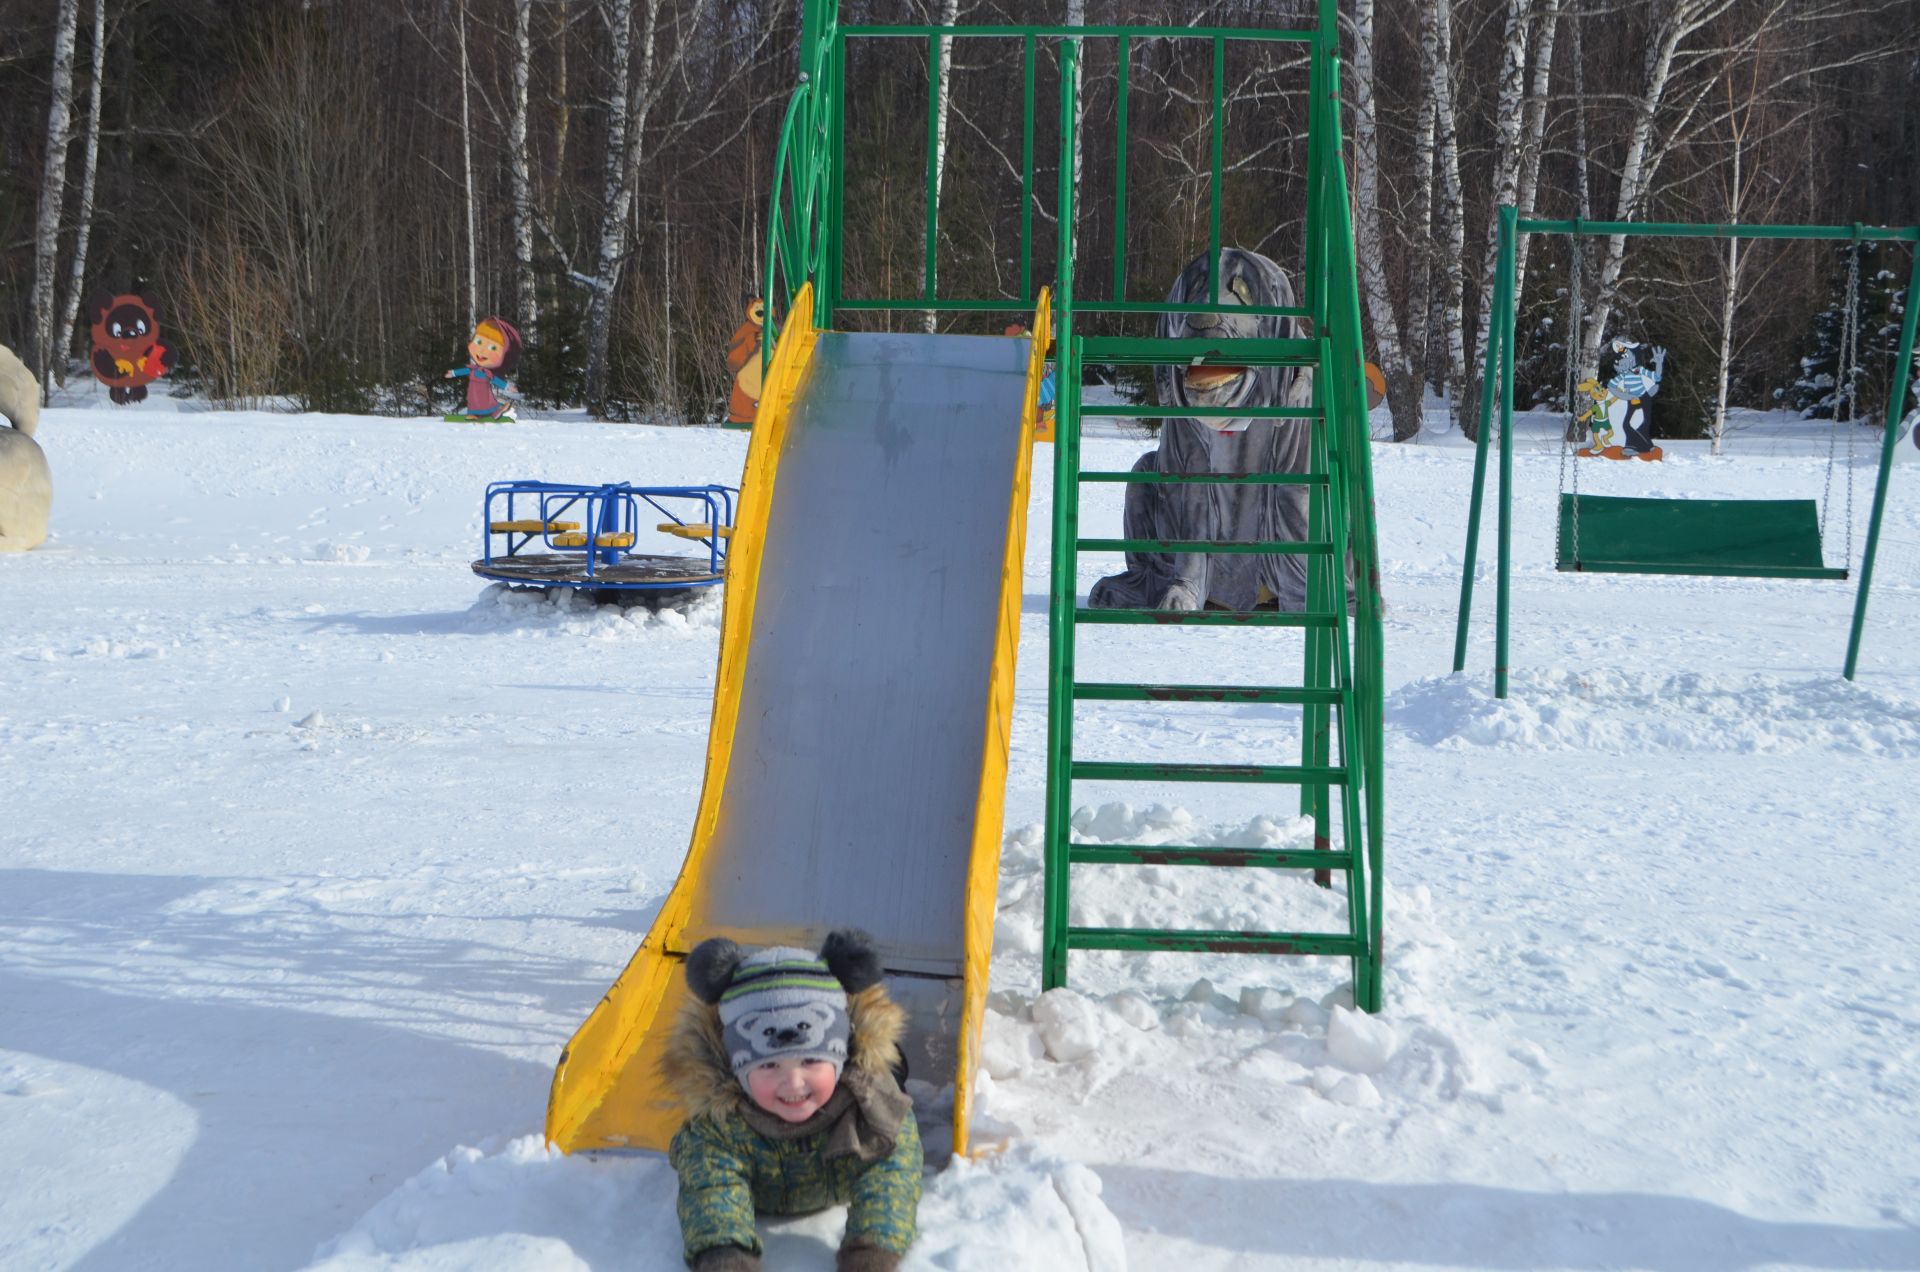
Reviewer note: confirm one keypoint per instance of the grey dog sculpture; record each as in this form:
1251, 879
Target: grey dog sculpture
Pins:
1239, 581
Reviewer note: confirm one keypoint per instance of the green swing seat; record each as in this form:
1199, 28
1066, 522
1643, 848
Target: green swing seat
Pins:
1751, 538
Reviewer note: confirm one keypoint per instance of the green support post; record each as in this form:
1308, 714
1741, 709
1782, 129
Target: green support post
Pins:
1896, 408
1503, 599
1064, 589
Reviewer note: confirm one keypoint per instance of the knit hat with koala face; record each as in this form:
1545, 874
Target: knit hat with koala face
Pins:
783, 1001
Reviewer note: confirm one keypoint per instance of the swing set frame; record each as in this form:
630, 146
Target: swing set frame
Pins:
1498, 381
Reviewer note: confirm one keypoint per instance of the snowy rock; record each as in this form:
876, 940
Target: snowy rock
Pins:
1109, 822
1359, 1042
1307, 1014
1203, 992
1070, 1025
1355, 1090
1264, 1002
311, 720
1135, 1010
283, 704
1009, 1048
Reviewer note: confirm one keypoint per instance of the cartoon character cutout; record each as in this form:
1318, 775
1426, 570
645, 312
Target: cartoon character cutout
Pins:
1599, 427
494, 353
1633, 384
127, 353
1049, 389
743, 364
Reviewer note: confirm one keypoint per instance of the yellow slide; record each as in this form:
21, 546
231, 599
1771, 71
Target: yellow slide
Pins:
857, 755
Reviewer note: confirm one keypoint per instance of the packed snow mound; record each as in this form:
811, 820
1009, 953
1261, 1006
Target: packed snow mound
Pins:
513, 1206
1621, 712
522, 1205
565, 613
1163, 896
1019, 1209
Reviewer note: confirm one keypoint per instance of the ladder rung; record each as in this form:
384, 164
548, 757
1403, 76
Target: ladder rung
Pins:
1215, 942
1276, 547
1208, 618
1287, 774
1110, 691
1145, 352
1164, 855
1149, 411
1209, 479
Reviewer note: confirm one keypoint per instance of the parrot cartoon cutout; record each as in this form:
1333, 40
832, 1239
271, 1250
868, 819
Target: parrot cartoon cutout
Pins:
127, 353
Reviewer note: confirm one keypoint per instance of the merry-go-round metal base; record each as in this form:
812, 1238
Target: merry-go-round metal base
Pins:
657, 582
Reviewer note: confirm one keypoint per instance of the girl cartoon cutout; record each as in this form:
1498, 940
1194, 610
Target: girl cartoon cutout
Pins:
495, 352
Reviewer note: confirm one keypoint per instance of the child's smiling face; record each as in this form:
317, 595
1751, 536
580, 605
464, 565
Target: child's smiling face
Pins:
488, 348
792, 1088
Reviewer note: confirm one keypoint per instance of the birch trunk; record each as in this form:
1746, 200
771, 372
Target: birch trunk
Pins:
562, 111
614, 214
466, 159
526, 303
1403, 382
1420, 316
943, 90
1452, 214
76, 281
626, 147
53, 188
1674, 21
1509, 110
1077, 16
1535, 126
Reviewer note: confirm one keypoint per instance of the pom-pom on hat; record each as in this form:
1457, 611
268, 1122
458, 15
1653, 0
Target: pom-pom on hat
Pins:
783, 1001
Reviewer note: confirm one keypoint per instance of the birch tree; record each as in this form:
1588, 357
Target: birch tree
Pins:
76, 281
1436, 38
53, 186
949, 15
1401, 371
526, 308
1508, 167
466, 162
627, 120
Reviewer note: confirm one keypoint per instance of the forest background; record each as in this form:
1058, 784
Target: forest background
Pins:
324, 194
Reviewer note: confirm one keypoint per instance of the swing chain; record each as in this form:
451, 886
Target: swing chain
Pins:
1847, 359
1576, 321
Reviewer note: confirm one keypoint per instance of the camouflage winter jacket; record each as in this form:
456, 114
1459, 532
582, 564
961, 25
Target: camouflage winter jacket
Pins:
862, 1150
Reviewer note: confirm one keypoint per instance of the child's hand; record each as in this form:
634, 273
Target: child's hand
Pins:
512, 387
447, 376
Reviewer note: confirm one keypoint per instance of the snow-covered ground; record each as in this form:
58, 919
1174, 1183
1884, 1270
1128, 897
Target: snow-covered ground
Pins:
314, 849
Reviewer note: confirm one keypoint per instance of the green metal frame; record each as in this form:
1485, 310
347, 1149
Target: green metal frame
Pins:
1339, 774
1499, 374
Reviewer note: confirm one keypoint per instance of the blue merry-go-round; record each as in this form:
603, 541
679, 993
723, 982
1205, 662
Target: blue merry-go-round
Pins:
545, 534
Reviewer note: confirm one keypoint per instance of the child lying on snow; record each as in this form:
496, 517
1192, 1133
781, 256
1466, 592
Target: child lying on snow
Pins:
785, 1063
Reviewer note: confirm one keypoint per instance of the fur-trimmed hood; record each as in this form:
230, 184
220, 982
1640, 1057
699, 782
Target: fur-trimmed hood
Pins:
695, 1066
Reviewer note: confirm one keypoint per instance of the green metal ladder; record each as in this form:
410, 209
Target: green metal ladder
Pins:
1326, 694
1339, 689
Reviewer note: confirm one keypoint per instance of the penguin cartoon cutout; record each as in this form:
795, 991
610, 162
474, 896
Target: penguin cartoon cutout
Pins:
743, 364
127, 353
